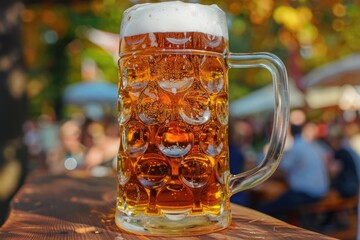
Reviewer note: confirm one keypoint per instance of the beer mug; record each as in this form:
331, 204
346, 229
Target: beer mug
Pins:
173, 162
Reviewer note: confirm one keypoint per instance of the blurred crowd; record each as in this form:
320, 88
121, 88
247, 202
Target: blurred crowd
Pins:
77, 143
320, 158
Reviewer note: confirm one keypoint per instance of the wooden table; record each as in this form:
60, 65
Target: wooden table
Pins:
81, 207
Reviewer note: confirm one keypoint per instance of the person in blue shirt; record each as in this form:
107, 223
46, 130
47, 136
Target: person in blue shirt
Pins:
304, 169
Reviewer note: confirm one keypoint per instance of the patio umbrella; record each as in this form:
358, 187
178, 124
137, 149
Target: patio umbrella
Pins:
335, 83
91, 92
262, 100
340, 72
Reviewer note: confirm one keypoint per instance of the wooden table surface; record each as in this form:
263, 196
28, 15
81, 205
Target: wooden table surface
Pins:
81, 207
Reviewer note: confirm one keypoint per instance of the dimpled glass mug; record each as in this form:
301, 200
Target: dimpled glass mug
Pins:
173, 162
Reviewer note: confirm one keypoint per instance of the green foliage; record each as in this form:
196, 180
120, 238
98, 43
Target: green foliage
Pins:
318, 31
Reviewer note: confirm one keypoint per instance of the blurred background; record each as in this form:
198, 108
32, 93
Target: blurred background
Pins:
58, 89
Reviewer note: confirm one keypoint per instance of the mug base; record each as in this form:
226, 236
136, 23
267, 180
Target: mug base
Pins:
173, 224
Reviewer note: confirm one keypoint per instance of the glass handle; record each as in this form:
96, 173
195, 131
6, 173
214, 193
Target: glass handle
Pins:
265, 169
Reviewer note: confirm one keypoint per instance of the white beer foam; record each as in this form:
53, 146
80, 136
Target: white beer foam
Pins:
174, 16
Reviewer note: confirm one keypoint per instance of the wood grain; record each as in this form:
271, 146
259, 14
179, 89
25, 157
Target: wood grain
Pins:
82, 207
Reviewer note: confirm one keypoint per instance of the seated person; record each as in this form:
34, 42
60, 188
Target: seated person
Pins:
345, 178
304, 169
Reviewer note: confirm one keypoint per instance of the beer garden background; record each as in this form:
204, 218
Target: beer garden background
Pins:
304, 34
50, 39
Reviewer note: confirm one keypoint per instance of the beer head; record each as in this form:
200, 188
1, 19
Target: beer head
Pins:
174, 16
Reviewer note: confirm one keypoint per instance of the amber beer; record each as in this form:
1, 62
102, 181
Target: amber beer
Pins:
173, 164
173, 123
173, 120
